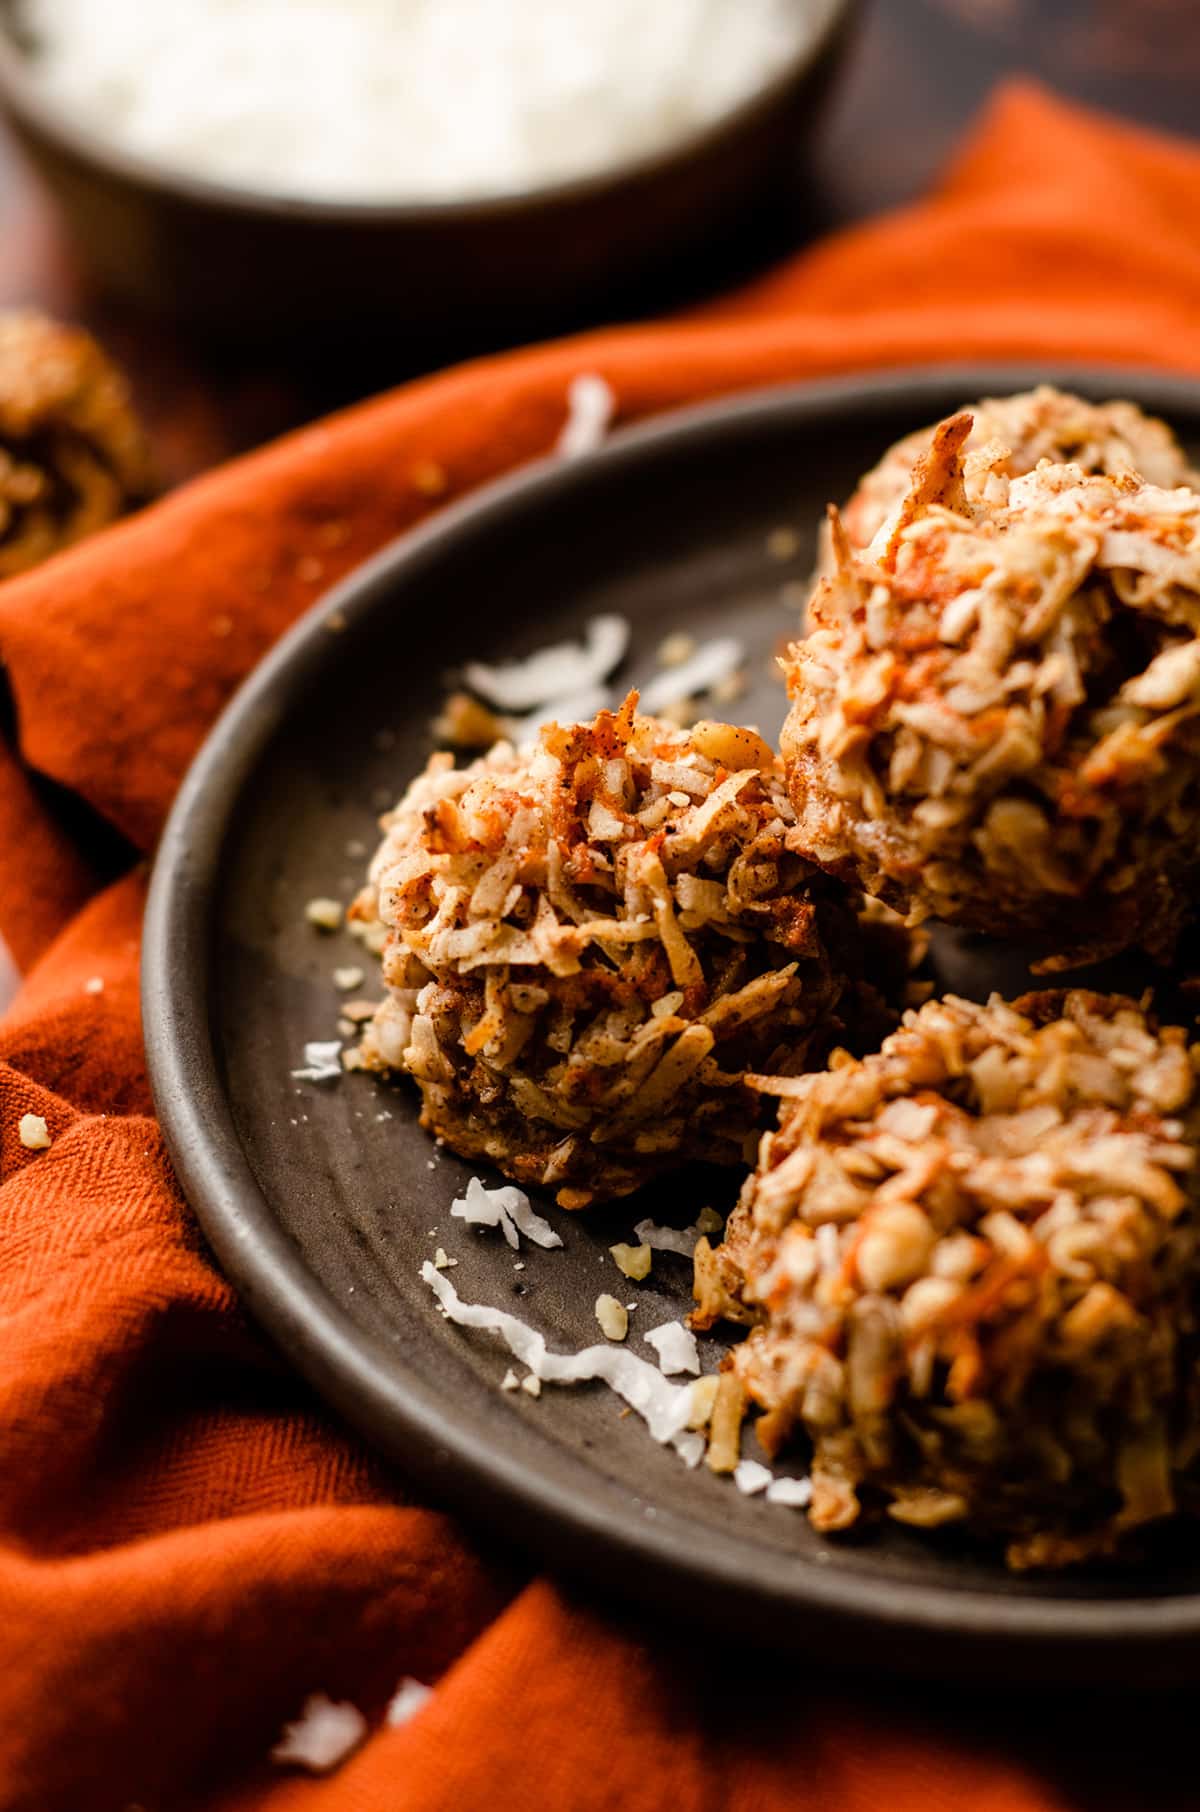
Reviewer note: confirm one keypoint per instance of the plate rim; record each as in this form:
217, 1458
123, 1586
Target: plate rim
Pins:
1068, 1639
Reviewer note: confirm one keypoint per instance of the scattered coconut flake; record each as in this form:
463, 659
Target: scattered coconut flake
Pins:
407, 1700
510, 1381
322, 1062
669, 1003
632, 1261
441, 1261
613, 1317
34, 1133
507, 1208
666, 1239
675, 649
94, 985
591, 406
532, 1384
559, 671
676, 1348
712, 662
578, 708
690, 1448
356, 849
750, 1477
664, 1407
796, 1493
326, 915
346, 980
322, 1736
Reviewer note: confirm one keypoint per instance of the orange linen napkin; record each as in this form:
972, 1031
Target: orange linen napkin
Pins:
189, 1544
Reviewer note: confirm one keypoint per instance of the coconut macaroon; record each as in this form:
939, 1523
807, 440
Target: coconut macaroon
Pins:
73, 456
995, 714
1107, 438
971, 1265
589, 946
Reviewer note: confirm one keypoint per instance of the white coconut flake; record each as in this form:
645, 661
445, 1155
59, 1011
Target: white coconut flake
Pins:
510, 1381
796, 1493
324, 1734
664, 1407
579, 708
507, 1208
563, 669
690, 1448
712, 662
322, 1062
751, 1478
591, 406
676, 1348
409, 1698
669, 1239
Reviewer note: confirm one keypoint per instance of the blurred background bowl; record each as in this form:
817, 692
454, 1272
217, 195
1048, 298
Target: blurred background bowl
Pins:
246, 265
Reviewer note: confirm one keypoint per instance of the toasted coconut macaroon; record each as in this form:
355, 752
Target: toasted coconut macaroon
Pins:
73, 456
590, 944
1107, 438
971, 1264
995, 714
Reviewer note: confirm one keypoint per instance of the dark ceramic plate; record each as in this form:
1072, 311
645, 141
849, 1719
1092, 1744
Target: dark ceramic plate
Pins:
322, 1201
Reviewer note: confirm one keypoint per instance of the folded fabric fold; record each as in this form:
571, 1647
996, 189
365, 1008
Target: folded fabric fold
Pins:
189, 1544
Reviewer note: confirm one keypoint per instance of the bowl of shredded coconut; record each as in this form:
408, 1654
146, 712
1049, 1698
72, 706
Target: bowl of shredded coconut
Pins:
275, 163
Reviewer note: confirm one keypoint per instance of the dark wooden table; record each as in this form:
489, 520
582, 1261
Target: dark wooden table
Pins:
919, 70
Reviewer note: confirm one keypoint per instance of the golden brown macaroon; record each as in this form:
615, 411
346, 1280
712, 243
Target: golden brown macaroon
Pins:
73, 457
996, 714
1032, 425
971, 1264
590, 944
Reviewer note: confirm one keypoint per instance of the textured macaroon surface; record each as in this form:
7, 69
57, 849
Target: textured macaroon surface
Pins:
589, 946
73, 456
970, 1265
994, 715
1030, 426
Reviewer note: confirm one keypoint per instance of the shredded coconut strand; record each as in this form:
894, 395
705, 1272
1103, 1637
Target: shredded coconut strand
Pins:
322, 1736
751, 1478
676, 1348
507, 1208
322, 1062
591, 406
712, 662
409, 1698
663, 1407
577, 709
669, 1239
561, 671
795, 1493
